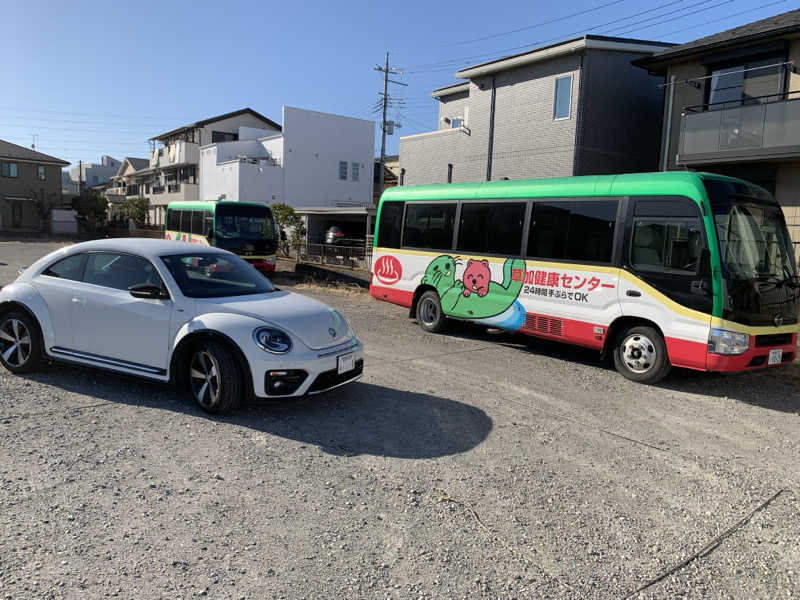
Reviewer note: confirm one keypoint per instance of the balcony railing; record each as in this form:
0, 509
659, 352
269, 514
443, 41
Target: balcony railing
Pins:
132, 190
766, 127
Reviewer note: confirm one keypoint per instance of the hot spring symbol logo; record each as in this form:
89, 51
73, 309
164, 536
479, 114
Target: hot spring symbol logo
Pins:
475, 295
388, 269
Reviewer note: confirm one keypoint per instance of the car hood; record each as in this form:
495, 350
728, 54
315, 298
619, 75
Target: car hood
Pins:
314, 323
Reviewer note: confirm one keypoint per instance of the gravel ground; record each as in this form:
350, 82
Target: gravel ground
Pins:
467, 465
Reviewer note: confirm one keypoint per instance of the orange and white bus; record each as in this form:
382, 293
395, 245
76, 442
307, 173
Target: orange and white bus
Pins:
655, 270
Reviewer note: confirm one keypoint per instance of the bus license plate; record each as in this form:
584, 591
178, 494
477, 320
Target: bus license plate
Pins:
347, 362
775, 357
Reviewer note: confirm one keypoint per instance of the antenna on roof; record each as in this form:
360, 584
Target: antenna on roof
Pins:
34, 136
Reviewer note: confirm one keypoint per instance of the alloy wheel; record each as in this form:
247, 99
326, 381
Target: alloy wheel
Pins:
205, 379
15, 342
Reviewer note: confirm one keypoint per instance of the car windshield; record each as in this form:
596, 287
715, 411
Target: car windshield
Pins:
206, 275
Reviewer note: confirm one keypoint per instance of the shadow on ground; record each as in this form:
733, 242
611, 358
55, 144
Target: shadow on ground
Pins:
359, 418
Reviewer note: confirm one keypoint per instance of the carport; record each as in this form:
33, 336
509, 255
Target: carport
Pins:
355, 221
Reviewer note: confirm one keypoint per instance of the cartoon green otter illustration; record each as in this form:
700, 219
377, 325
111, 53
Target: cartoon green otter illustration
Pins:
460, 301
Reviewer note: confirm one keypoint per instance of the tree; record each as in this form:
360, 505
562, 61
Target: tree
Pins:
92, 206
44, 204
291, 223
135, 208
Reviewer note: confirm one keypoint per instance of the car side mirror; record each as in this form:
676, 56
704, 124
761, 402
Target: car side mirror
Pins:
148, 290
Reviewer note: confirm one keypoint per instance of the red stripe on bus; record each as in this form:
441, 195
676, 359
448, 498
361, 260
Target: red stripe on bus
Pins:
393, 295
579, 333
686, 353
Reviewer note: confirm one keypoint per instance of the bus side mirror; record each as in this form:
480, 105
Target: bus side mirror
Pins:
210, 235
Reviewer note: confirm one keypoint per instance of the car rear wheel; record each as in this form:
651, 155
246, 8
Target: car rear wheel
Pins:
640, 354
429, 312
214, 378
21, 348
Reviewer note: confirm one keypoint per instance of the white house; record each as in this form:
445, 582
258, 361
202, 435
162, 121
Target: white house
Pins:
92, 173
316, 160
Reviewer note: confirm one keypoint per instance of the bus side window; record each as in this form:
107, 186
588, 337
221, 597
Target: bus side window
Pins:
429, 226
391, 224
208, 224
183, 220
197, 222
579, 230
491, 228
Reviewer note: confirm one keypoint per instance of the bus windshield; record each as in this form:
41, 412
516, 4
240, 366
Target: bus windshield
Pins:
252, 225
756, 252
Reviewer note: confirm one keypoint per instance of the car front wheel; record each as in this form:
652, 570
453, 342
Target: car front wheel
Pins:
20, 343
214, 378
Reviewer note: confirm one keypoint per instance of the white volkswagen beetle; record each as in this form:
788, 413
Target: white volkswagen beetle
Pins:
196, 316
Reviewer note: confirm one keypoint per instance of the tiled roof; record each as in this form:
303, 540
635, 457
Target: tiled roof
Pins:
9, 150
788, 22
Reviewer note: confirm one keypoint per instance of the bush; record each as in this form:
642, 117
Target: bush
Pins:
291, 223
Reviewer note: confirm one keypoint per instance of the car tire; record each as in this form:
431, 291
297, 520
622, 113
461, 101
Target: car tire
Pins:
640, 354
429, 312
215, 380
21, 346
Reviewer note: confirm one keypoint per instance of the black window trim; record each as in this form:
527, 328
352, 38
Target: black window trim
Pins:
617, 249
633, 219
455, 225
111, 251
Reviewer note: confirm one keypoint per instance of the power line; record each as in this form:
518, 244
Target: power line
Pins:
676, 18
749, 10
536, 25
92, 122
613, 29
29, 126
384, 103
448, 64
89, 114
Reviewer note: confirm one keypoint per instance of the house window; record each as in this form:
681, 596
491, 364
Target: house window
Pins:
456, 122
223, 136
449, 173
9, 169
343, 170
95, 179
562, 97
745, 82
41, 172
354, 171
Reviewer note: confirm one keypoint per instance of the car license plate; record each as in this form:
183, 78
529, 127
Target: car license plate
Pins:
346, 362
775, 357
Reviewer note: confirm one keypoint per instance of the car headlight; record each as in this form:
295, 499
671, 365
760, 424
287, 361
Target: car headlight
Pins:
727, 342
272, 340
339, 323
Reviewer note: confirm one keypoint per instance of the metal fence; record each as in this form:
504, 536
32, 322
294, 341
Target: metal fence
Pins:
351, 257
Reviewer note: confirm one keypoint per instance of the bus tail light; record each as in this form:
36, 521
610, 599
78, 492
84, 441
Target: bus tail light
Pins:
722, 341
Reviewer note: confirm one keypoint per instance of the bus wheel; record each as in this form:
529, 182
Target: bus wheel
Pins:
641, 355
429, 312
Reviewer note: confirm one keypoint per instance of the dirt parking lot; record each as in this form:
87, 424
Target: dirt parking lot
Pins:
473, 464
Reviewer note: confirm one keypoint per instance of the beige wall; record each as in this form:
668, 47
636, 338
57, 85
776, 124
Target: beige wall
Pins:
27, 186
684, 95
787, 192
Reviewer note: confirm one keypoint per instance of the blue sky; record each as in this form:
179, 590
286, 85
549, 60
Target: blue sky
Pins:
101, 78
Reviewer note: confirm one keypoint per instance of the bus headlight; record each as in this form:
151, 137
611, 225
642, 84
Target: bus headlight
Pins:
727, 342
272, 340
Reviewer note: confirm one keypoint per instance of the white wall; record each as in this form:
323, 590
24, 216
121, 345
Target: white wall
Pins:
314, 143
232, 125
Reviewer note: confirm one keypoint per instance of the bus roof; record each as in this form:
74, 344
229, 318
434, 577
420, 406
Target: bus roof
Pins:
688, 183
211, 204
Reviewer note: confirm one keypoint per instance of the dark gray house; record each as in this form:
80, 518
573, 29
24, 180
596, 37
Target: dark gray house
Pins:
578, 107
733, 107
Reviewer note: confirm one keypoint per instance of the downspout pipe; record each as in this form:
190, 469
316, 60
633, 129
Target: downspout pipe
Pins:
668, 124
490, 148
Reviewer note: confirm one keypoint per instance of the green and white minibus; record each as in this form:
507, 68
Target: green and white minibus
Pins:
655, 270
244, 228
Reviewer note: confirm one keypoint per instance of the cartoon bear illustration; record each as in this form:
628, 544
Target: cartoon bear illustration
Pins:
496, 297
477, 276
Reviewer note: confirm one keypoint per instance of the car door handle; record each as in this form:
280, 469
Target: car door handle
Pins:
634, 293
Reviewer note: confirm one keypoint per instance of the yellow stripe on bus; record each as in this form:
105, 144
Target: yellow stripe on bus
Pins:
715, 322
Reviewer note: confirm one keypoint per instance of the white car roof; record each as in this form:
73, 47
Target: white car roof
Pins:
146, 247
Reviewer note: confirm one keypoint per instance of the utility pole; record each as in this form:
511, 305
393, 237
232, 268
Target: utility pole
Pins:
80, 177
384, 103
33, 137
